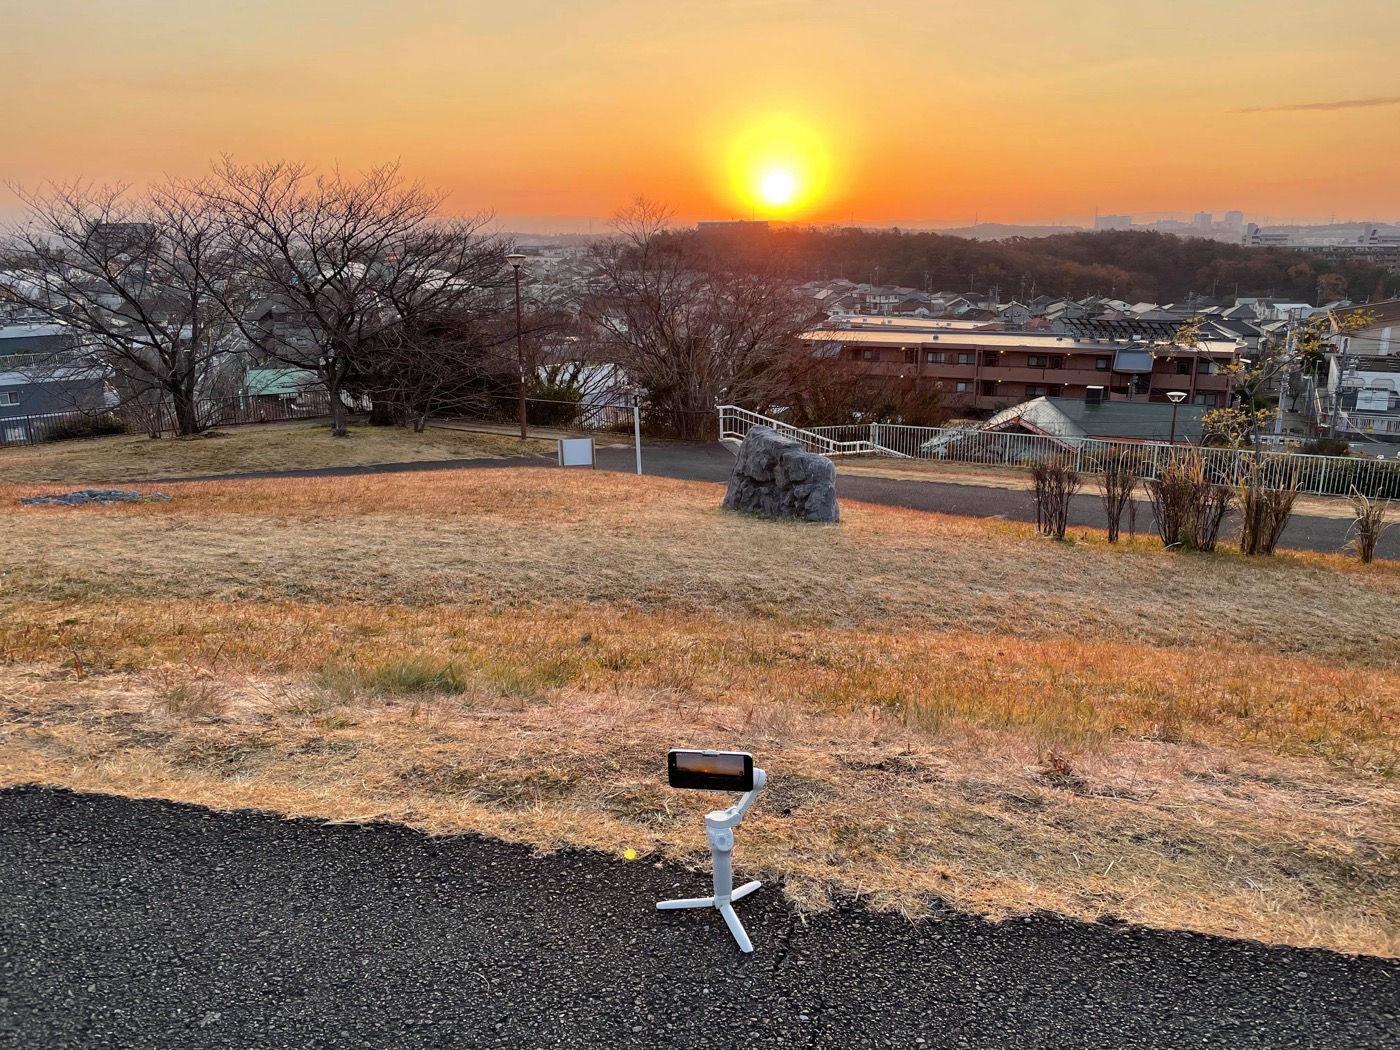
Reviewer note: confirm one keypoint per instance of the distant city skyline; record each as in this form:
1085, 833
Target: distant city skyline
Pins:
1030, 114
584, 224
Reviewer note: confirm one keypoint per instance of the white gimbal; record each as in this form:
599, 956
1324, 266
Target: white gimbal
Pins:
719, 771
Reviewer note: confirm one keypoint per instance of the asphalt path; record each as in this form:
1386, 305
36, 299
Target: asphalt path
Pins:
139, 924
713, 462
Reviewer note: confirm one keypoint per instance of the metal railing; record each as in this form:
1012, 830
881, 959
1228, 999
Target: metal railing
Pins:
1315, 475
136, 418
736, 422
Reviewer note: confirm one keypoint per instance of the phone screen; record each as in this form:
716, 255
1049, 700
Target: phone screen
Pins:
711, 770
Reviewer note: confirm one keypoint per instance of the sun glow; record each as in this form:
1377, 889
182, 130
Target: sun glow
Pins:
778, 187
778, 166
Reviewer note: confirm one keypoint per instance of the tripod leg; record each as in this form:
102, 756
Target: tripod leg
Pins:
744, 890
686, 902
736, 927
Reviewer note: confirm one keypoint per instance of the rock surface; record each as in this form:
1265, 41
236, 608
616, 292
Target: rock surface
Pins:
776, 476
82, 496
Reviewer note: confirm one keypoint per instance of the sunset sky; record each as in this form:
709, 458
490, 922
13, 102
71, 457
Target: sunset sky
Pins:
552, 112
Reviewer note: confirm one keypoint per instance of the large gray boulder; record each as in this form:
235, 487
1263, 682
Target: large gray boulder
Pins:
776, 476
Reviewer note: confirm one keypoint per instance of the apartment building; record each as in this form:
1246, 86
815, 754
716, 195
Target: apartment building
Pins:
982, 369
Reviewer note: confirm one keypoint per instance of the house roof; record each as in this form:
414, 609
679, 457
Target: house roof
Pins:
1074, 419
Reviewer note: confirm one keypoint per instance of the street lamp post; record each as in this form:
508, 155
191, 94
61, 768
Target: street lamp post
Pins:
1176, 397
515, 259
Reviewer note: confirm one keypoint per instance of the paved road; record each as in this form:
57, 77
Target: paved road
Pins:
149, 924
713, 462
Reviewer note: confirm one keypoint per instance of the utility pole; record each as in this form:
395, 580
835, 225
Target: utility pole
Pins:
515, 259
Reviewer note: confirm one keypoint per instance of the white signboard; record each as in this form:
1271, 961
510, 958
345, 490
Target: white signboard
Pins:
576, 452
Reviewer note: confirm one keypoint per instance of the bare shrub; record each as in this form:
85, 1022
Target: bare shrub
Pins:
1118, 481
1267, 494
1217, 501
1189, 509
1054, 484
1176, 497
1368, 528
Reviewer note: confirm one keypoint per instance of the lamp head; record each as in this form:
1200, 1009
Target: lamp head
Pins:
516, 259
1176, 397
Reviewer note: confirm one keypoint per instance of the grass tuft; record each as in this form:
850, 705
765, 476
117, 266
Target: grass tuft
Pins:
414, 676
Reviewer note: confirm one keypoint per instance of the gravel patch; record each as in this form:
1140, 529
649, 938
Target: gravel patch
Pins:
83, 497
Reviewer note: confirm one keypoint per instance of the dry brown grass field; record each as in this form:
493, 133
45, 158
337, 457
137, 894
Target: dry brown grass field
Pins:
247, 449
950, 710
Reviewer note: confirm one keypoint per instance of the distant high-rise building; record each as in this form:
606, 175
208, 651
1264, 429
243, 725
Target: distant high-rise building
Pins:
1234, 220
1113, 222
1203, 220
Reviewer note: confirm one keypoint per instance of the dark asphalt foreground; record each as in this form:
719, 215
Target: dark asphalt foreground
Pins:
150, 924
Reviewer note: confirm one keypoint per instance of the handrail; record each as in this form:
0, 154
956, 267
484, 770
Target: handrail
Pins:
808, 439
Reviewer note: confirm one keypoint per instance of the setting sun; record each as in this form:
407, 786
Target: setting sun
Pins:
778, 187
778, 165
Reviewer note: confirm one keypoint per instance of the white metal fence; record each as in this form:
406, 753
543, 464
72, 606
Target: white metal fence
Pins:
1318, 475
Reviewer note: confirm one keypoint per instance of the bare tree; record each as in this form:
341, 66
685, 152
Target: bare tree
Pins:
347, 268
142, 282
689, 327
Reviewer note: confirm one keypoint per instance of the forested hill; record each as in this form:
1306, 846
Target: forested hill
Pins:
1131, 265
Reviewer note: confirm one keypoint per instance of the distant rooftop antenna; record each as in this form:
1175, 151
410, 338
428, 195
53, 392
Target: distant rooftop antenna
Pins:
719, 771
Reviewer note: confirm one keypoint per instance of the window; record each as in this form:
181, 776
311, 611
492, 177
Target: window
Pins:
1035, 389
967, 359
963, 386
1208, 400
1103, 364
10, 397
989, 388
933, 357
911, 357
1037, 361
1183, 368
1207, 367
870, 355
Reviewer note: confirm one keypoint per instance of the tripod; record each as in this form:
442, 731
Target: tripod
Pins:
719, 829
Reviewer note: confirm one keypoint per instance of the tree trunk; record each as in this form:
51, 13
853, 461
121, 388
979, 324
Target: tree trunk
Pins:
339, 427
384, 413
186, 417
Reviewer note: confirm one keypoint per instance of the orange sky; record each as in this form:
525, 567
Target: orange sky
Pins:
551, 112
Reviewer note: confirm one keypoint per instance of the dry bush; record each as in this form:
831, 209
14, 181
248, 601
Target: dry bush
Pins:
1189, 509
1118, 481
1217, 501
1267, 494
1368, 528
1054, 484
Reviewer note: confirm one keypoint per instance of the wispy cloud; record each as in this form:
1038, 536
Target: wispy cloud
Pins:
1344, 103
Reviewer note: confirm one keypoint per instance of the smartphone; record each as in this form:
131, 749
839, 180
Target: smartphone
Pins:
710, 770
